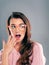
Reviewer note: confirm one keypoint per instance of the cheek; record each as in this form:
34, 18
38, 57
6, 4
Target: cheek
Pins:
23, 32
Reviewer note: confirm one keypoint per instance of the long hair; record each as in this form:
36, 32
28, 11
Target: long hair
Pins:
26, 48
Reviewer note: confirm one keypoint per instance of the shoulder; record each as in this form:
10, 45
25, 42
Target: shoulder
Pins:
38, 53
38, 46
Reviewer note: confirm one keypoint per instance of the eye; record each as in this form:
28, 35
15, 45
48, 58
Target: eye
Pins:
22, 26
13, 26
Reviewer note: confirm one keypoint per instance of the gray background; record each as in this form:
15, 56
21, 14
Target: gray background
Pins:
38, 13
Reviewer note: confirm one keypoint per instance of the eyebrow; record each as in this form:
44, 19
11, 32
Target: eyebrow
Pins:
19, 24
12, 24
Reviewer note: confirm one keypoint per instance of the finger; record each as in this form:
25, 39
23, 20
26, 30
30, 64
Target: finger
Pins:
9, 39
3, 43
11, 32
14, 43
13, 40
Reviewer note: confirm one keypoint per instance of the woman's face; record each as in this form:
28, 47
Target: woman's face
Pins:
17, 28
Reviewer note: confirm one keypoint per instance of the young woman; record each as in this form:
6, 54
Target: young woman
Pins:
19, 49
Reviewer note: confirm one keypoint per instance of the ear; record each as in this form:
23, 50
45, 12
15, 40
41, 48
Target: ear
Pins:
8, 28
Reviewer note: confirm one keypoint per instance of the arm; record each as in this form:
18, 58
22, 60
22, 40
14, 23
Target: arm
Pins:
4, 59
38, 55
7, 48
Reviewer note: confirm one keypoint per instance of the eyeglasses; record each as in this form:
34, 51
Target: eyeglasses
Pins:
20, 27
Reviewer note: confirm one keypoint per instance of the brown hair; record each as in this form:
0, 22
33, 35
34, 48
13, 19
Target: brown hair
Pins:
26, 48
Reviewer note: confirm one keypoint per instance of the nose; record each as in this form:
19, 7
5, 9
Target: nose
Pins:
17, 30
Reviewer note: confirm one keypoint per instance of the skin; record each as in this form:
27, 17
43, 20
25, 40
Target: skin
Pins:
16, 26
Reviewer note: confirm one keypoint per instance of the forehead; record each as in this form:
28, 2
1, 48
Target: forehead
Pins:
16, 21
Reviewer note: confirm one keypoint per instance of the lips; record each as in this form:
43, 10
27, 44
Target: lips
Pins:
17, 35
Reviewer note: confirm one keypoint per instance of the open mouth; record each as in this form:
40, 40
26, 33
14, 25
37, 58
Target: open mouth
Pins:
17, 35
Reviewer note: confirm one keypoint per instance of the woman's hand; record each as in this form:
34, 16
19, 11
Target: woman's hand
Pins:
9, 45
7, 48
